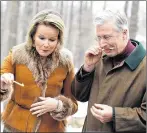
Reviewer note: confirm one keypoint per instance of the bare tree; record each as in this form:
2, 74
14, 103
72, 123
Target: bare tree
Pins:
35, 7
85, 32
134, 19
69, 38
78, 50
3, 13
58, 5
66, 10
80, 36
24, 19
61, 8
91, 5
105, 4
86, 5
10, 26
126, 8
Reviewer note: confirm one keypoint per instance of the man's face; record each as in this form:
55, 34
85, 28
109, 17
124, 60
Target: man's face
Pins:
110, 40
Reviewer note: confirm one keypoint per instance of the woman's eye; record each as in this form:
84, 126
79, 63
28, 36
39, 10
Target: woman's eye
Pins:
52, 40
42, 38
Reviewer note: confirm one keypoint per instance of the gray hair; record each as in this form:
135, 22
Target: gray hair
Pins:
119, 19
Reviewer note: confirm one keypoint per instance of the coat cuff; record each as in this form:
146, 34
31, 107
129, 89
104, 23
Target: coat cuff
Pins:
5, 92
64, 109
113, 118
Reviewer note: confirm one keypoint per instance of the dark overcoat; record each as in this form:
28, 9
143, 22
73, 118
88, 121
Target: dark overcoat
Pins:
122, 87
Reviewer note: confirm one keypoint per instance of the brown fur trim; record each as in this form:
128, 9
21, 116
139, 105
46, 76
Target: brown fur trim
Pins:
5, 92
66, 109
21, 54
66, 58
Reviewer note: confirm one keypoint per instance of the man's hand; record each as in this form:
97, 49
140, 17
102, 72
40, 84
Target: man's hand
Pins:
102, 112
92, 56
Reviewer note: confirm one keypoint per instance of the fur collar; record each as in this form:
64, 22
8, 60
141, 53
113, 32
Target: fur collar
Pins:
20, 55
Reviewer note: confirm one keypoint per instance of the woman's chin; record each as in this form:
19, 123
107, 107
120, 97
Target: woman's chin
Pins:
44, 55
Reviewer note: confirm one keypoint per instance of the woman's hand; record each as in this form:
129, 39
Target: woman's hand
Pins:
6, 81
45, 105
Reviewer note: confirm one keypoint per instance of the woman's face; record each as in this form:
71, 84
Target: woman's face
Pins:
45, 39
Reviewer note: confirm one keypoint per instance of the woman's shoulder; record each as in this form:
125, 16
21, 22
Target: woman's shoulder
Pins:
19, 53
66, 58
65, 53
19, 47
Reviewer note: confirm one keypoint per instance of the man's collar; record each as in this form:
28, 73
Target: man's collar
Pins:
137, 55
134, 59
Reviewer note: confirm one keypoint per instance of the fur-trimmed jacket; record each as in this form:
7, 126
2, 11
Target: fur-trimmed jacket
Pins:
52, 79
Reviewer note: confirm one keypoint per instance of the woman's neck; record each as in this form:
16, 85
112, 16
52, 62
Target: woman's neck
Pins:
43, 59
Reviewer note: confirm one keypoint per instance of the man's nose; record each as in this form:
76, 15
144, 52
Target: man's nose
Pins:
102, 42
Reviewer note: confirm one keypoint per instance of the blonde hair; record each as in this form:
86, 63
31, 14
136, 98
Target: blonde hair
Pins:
46, 17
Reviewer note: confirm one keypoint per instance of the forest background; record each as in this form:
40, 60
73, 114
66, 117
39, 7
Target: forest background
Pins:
78, 17
79, 32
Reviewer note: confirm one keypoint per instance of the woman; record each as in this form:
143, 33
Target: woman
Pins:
46, 70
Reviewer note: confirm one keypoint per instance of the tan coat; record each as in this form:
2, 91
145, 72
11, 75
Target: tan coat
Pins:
122, 87
17, 116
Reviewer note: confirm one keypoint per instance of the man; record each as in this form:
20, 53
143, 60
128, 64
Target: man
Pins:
113, 79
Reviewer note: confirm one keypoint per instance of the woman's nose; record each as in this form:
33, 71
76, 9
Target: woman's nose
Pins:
46, 43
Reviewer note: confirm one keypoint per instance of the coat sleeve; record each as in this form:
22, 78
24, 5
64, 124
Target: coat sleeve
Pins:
131, 119
81, 85
7, 67
70, 105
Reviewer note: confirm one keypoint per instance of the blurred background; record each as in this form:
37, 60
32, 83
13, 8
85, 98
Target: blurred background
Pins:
79, 32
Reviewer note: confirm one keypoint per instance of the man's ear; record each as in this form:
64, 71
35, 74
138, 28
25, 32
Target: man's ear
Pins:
125, 34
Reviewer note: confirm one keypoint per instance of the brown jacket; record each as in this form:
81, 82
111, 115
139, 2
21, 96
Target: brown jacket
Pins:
16, 116
122, 87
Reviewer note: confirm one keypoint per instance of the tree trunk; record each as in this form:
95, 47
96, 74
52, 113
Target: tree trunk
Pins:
10, 27
78, 49
105, 4
69, 36
3, 14
25, 18
126, 8
61, 8
35, 7
134, 19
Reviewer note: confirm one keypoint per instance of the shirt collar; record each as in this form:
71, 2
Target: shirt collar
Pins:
137, 55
